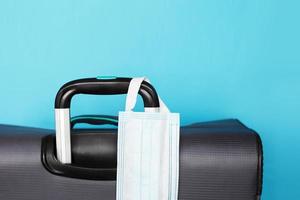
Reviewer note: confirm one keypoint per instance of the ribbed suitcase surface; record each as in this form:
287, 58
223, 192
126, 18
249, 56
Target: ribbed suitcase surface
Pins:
219, 160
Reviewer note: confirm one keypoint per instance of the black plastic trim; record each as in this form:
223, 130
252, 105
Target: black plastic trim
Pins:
103, 87
260, 166
51, 163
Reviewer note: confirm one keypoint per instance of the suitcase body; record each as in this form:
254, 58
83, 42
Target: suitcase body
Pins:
220, 160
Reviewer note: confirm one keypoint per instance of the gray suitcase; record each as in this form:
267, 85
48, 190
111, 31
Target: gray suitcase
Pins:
220, 160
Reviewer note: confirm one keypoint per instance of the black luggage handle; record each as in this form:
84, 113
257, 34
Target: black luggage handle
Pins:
94, 120
103, 86
96, 86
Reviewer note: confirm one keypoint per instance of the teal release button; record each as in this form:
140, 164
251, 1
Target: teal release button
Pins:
105, 77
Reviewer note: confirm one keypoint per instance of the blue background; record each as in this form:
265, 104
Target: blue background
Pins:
209, 60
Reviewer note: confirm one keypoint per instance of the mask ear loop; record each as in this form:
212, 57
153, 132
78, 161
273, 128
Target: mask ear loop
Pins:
133, 89
131, 98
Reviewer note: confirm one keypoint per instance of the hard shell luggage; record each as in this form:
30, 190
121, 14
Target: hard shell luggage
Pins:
219, 160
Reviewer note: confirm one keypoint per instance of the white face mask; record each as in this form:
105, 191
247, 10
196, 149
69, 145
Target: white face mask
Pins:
148, 151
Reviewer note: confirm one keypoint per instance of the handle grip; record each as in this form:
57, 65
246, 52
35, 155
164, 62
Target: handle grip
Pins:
94, 120
98, 86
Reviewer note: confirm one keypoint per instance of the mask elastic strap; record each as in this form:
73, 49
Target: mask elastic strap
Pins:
132, 94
